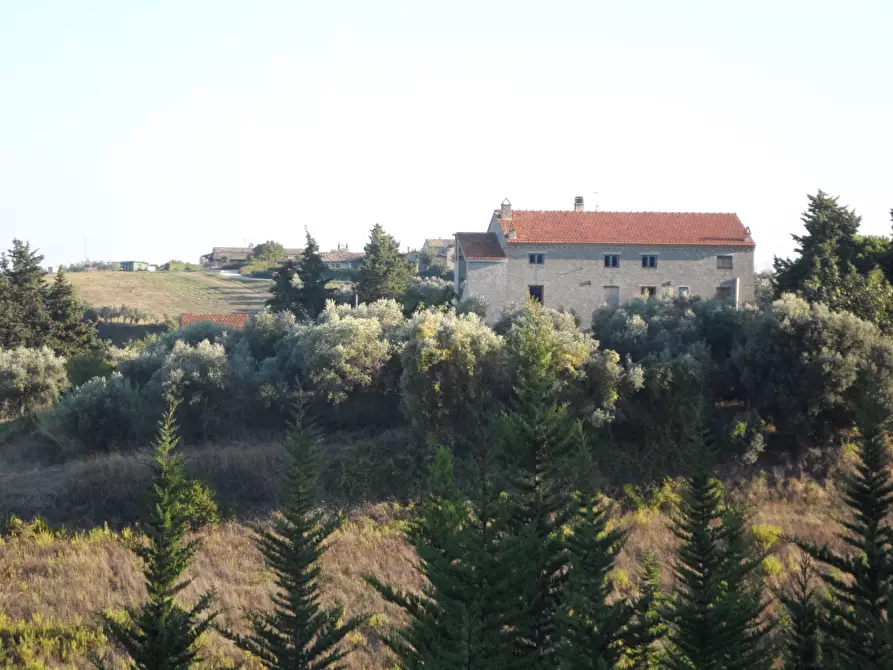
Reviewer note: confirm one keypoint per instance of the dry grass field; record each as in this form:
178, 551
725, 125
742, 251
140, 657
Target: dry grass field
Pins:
170, 293
52, 584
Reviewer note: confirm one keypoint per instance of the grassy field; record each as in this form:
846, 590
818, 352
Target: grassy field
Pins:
170, 294
54, 583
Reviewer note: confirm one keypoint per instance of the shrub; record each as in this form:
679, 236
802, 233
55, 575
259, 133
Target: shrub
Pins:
427, 292
199, 376
472, 305
103, 414
388, 313
805, 368
450, 363
345, 354
267, 330
29, 380
200, 508
84, 367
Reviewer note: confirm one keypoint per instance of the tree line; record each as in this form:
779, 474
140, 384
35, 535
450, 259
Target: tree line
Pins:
300, 286
35, 314
517, 559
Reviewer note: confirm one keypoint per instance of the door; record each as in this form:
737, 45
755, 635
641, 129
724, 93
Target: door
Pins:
612, 296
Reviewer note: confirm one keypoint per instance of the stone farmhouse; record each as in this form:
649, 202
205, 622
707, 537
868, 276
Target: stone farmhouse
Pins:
343, 259
581, 260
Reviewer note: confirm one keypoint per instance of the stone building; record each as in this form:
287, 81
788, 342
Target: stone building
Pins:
580, 261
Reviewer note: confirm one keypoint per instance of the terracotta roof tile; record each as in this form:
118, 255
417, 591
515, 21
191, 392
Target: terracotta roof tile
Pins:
662, 228
235, 321
480, 246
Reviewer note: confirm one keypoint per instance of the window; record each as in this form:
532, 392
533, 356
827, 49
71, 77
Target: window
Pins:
649, 291
724, 262
612, 260
612, 296
536, 293
537, 259
724, 293
683, 291
649, 261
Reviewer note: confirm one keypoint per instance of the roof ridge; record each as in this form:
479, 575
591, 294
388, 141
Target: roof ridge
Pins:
614, 211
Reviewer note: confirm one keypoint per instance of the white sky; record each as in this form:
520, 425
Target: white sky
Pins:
157, 130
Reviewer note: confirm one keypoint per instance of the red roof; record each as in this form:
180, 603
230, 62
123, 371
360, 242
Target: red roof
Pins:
234, 321
480, 246
663, 228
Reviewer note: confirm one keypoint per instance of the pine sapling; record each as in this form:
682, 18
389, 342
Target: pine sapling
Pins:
298, 634
160, 634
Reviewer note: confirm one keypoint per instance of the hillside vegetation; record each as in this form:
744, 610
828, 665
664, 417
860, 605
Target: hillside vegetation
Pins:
54, 583
171, 294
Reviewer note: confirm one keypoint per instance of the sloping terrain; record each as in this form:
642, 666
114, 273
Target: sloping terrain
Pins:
171, 293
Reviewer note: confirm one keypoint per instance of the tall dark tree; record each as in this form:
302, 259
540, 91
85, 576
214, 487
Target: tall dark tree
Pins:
458, 621
312, 293
540, 436
385, 272
161, 633
284, 296
30, 325
70, 333
715, 618
858, 632
593, 628
298, 634
801, 635
826, 222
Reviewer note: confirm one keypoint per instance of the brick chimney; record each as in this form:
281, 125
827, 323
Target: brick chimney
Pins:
505, 211
578, 203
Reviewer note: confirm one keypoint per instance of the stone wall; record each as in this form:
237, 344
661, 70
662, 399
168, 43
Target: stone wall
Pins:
574, 276
487, 280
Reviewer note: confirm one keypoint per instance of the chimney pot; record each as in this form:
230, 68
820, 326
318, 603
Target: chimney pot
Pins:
506, 210
578, 203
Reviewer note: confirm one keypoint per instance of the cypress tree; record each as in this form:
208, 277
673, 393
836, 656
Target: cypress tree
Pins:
715, 618
648, 627
312, 271
458, 621
29, 324
857, 632
284, 296
825, 222
385, 272
591, 628
803, 609
539, 436
160, 634
298, 634
70, 333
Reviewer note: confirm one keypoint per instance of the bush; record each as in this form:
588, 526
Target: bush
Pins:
199, 376
472, 305
450, 364
29, 380
200, 507
104, 414
345, 354
84, 367
805, 369
430, 292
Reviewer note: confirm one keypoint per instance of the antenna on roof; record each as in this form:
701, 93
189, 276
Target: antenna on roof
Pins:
595, 193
